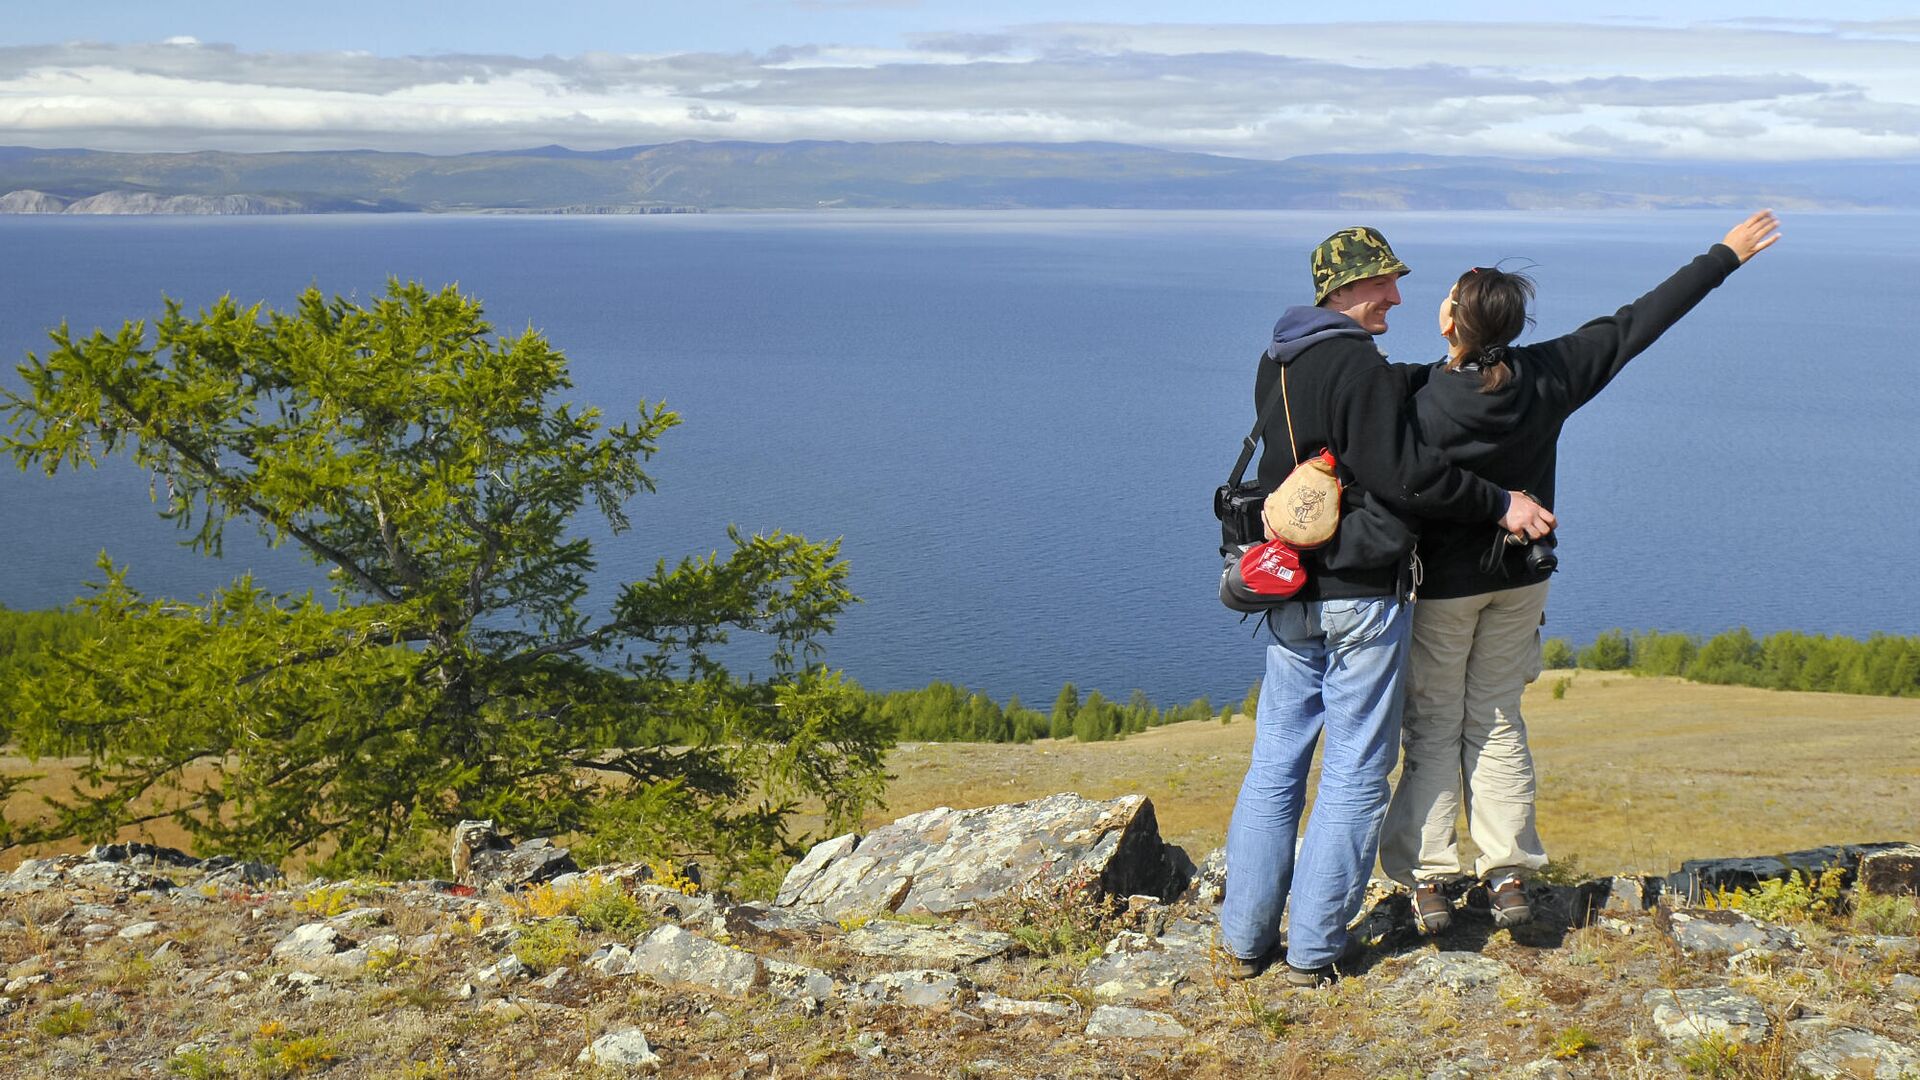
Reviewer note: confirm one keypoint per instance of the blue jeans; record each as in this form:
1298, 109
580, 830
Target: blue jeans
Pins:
1336, 666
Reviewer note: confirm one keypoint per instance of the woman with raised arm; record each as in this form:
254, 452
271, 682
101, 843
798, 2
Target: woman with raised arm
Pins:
1497, 409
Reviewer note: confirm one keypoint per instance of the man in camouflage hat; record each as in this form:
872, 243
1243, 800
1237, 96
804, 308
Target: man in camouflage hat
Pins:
1360, 273
1337, 653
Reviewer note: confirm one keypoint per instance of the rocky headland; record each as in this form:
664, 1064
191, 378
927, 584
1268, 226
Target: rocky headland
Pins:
1060, 937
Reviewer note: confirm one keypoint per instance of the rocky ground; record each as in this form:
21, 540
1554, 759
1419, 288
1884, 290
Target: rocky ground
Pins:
1056, 938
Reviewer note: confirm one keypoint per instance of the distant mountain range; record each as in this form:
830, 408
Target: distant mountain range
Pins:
699, 176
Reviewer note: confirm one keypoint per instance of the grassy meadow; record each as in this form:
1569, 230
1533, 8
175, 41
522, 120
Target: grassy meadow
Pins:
1636, 773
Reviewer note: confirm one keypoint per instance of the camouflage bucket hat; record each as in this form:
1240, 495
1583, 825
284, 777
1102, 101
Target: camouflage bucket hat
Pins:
1350, 255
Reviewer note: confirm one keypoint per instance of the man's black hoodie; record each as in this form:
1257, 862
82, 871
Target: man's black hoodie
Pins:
1344, 396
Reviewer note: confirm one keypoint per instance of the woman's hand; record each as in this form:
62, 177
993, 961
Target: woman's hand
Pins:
1754, 235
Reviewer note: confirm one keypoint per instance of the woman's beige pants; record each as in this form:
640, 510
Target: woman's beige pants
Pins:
1463, 737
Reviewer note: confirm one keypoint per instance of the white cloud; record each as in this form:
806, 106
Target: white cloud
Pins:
1754, 91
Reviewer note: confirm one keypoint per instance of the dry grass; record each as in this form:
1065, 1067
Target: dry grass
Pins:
1635, 773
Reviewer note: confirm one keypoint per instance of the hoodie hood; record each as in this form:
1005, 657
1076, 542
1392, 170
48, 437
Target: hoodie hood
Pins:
1302, 326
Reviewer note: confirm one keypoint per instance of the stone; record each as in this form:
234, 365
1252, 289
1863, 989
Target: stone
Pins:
1891, 871
1121, 1022
34, 875
799, 982
136, 931
140, 854
1012, 1008
1136, 967
312, 944
771, 925
301, 984
945, 860
1699, 878
360, 916
869, 1046
24, 982
1210, 880
628, 1047
1457, 971
528, 863
1546, 1068
228, 983
1904, 985
499, 973
611, 960
1466, 1068
1850, 1052
1687, 1016
232, 872
673, 956
674, 904
551, 979
1625, 895
116, 877
928, 946
1723, 932
925, 988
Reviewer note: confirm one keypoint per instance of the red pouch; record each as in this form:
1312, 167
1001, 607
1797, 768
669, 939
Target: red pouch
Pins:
1265, 575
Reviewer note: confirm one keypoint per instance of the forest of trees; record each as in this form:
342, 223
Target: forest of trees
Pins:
1883, 664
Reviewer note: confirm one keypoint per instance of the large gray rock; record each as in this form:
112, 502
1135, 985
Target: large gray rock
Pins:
1724, 932
1136, 967
1120, 1022
313, 945
673, 956
928, 946
527, 863
798, 982
1849, 1052
923, 988
1686, 1016
779, 927
945, 860
627, 1048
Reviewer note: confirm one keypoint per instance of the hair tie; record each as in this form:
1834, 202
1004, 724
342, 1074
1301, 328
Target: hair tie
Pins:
1493, 354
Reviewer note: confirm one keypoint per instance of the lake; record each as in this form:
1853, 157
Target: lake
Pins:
1016, 420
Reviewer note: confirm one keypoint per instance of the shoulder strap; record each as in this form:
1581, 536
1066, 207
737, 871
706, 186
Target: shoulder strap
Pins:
1275, 396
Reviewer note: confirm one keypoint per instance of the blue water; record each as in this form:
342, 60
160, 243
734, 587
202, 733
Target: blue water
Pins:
1015, 420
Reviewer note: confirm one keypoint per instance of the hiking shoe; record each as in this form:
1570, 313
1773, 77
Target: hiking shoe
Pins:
1326, 974
1240, 968
1507, 900
1432, 911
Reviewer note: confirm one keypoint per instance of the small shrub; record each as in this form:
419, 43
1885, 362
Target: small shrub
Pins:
605, 905
1876, 914
1560, 687
74, 1019
1572, 1041
275, 1054
1271, 1022
325, 903
1713, 1057
1556, 652
544, 946
1793, 898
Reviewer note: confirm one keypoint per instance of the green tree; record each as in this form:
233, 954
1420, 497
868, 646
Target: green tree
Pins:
434, 470
1066, 708
1556, 652
1609, 652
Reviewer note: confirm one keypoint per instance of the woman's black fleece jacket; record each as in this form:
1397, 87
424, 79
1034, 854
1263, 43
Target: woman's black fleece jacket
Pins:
1508, 436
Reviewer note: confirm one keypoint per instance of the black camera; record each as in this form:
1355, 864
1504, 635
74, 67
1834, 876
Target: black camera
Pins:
1238, 507
1537, 554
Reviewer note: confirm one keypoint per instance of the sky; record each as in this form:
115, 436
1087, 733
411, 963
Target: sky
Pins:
1690, 81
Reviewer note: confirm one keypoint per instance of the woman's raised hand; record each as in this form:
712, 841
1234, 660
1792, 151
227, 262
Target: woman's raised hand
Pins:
1756, 234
